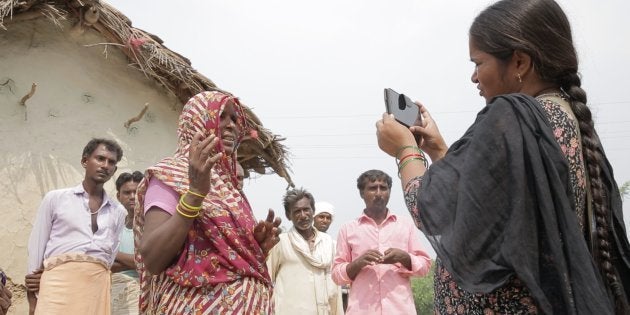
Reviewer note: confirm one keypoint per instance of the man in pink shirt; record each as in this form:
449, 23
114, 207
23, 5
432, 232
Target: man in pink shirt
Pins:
378, 252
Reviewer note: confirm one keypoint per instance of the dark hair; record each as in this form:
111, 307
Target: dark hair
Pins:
125, 177
541, 29
371, 176
294, 195
110, 145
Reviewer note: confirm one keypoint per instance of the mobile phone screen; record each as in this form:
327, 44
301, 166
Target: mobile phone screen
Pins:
404, 109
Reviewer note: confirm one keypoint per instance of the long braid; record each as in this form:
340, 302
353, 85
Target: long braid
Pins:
571, 84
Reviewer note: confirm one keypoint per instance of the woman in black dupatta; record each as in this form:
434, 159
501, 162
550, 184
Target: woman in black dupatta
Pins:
523, 211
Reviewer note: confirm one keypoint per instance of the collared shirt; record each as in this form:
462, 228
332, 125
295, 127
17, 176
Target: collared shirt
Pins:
381, 288
64, 225
301, 276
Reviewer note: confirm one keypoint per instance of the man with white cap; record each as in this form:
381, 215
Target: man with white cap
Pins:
323, 216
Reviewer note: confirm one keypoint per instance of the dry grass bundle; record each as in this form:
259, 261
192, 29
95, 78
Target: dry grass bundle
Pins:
147, 54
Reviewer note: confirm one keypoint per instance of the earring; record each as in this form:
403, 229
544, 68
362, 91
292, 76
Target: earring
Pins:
518, 76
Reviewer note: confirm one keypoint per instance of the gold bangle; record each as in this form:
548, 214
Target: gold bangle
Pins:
186, 215
195, 194
189, 207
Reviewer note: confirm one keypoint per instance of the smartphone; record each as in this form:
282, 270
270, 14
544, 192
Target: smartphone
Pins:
404, 109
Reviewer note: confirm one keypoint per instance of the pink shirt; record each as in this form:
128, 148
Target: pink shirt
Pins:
383, 288
64, 225
160, 195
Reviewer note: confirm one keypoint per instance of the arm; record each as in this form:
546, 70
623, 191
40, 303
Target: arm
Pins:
344, 269
119, 224
32, 302
343, 257
163, 238
123, 262
40, 234
5, 299
164, 234
392, 136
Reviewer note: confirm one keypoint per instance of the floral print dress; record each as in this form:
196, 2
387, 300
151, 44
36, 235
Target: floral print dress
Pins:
513, 297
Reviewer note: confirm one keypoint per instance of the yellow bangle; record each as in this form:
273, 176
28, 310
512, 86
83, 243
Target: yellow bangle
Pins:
189, 207
186, 215
195, 194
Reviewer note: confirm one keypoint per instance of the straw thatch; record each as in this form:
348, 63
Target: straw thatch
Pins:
147, 53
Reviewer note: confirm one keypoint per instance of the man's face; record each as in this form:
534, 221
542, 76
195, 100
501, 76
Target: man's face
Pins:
322, 221
301, 214
127, 195
100, 165
376, 195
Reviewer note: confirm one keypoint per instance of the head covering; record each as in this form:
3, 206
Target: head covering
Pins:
323, 206
220, 246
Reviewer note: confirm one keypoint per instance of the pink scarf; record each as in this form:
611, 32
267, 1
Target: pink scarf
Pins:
220, 246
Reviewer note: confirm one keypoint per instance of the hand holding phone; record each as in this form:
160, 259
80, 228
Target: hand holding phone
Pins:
404, 109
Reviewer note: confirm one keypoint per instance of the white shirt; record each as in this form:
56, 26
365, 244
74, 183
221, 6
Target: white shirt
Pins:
64, 225
303, 284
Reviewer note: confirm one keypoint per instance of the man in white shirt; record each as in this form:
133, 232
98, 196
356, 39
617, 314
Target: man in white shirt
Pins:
299, 264
75, 239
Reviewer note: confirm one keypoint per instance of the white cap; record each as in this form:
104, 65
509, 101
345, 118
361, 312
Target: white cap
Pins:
323, 206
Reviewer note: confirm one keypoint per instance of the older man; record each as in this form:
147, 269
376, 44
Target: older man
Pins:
378, 252
300, 263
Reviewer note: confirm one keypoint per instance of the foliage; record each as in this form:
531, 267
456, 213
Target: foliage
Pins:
423, 292
624, 190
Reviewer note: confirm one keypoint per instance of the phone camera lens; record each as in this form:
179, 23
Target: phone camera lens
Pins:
402, 104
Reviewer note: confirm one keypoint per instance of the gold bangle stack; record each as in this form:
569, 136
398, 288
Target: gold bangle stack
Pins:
186, 210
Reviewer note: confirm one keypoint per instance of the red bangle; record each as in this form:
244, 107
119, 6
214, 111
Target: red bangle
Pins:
409, 155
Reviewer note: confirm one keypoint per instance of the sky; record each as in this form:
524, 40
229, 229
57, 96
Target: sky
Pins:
314, 73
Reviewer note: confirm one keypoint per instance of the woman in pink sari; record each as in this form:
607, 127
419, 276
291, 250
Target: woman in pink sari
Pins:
198, 246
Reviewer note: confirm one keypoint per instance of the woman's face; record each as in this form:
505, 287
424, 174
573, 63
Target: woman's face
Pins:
228, 128
491, 74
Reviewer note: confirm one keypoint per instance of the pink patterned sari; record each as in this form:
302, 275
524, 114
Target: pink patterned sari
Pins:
221, 268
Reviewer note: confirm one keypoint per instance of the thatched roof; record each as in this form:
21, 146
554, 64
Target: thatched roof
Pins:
147, 53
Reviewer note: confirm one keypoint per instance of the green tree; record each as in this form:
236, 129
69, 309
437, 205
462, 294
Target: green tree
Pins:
423, 292
624, 190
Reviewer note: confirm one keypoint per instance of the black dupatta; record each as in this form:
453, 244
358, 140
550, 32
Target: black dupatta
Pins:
499, 205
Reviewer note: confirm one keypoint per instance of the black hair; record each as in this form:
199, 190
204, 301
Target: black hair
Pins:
541, 29
371, 176
125, 177
294, 195
110, 145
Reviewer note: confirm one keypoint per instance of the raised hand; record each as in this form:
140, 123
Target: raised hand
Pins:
266, 232
201, 158
431, 141
392, 135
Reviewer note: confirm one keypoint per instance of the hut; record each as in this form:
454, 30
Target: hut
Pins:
71, 70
